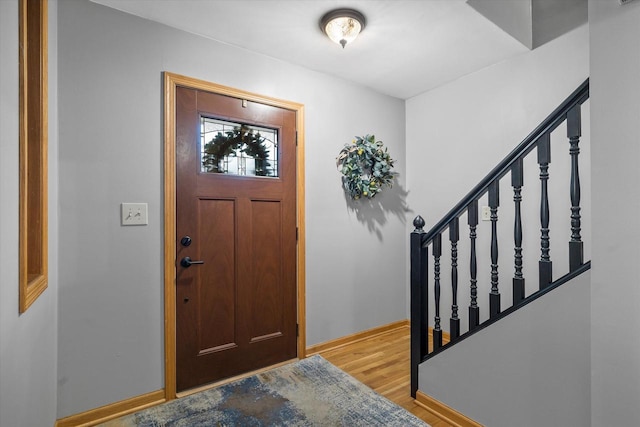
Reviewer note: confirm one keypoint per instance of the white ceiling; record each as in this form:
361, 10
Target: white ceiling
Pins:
407, 47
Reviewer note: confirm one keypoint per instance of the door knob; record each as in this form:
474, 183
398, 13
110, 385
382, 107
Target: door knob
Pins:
185, 241
187, 262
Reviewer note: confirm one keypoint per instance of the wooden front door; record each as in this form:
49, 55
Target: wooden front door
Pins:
236, 304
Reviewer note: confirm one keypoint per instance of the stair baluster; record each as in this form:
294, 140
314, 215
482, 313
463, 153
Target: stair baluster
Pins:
576, 252
544, 158
454, 236
437, 252
494, 202
517, 182
474, 310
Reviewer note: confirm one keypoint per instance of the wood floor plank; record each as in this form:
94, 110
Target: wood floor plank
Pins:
382, 362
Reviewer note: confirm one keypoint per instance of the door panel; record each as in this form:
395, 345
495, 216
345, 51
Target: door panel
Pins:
236, 311
266, 219
217, 309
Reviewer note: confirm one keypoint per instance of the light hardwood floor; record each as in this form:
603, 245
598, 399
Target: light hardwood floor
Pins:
382, 363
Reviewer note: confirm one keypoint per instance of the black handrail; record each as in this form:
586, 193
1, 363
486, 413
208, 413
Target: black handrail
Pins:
554, 119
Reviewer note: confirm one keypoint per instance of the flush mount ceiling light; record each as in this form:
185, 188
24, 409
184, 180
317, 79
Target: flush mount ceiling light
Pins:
342, 25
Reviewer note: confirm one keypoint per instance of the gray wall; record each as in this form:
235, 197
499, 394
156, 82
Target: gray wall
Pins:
110, 292
615, 97
529, 369
111, 284
28, 342
458, 132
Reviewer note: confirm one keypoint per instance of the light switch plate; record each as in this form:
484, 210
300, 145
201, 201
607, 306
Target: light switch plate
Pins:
134, 214
486, 213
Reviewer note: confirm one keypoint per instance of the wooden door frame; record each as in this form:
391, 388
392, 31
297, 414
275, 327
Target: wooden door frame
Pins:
171, 81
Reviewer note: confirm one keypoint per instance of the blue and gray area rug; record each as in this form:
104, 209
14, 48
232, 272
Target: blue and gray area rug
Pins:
311, 392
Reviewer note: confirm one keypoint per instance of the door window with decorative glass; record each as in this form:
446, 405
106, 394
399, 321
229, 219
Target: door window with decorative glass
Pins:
238, 148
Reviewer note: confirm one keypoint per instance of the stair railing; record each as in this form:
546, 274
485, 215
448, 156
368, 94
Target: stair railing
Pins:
420, 240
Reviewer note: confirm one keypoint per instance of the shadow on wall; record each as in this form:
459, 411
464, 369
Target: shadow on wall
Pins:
375, 212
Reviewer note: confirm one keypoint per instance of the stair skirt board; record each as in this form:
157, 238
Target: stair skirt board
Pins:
444, 412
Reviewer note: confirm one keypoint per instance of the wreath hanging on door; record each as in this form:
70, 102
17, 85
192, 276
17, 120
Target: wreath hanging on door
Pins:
241, 139
366, 167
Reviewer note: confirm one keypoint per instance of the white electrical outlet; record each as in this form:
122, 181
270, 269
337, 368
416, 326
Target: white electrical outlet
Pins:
134, 214
486, 213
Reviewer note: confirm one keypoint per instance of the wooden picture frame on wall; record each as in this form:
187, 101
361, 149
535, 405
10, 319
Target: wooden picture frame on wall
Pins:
33, 107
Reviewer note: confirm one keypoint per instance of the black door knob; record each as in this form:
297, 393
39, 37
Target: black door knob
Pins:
187, 262
185, 241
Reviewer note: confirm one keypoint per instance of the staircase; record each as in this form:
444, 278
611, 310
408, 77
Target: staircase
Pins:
427, 281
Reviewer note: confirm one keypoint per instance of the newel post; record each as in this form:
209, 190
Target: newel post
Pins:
419, 301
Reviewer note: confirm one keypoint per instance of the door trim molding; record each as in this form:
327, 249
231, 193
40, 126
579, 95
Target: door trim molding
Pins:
171, 81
